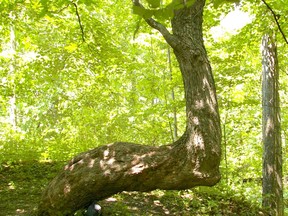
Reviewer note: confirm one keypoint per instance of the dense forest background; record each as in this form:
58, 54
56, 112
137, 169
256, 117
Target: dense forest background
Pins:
68, 85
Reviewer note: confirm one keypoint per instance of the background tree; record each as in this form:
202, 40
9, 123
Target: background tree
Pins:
272, 143
272, 153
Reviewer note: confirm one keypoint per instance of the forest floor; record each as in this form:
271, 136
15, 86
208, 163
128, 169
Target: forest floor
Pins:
21, 185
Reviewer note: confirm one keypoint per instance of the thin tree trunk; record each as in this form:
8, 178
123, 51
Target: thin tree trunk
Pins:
175, 125
12, 100
191, 161
272, 153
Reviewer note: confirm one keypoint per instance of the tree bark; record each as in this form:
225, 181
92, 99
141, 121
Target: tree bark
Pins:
12, 69
191, 161
272, 152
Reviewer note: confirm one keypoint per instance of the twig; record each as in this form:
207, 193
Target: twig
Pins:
79, 21
62, 9
78, 17
276, 17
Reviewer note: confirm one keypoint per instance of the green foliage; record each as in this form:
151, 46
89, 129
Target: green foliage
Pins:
217, 3
72, 96
237, 68
154, 3
68, 96
162, 12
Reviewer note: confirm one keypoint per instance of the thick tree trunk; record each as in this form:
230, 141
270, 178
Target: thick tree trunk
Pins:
203, 123
272, 153
191, 161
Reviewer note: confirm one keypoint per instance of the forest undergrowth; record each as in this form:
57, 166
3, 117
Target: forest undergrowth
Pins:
21, 185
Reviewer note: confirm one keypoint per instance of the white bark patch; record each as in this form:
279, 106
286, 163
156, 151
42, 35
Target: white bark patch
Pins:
67, 189
199, 104
91, 163
138, 168
109, 165
71, 168
269, 126
106, 153
270, 169
195, 120
198, 140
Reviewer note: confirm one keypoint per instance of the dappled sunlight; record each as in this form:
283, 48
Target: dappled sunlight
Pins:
158, 203
109, 165
91, 163
279, 180
107, 172
21, 212
199, 104
270, 169
198, 141
136, 203
154, 203
138, 168
211, 102
124, 166
67, 188
71, 167
11, 186
269, 127
132, 158
195, 120
106, 154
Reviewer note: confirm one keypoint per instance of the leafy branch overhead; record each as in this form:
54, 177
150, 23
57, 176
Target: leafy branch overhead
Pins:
160, 12
79, 21
276, 18
146, 14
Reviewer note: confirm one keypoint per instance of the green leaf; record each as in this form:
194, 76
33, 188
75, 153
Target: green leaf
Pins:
217, 3
138, 10
145, 13
164, 14
71, 47
154, 3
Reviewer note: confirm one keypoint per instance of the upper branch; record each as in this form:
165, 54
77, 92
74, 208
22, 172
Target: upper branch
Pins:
77, 14
170, 38
79, 20
276, 20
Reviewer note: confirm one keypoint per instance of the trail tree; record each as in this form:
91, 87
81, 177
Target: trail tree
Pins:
191, 161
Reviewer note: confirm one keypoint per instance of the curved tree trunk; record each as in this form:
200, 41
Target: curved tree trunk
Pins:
191, 161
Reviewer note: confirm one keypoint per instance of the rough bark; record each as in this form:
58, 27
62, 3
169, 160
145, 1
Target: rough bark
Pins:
272, 149
191, 161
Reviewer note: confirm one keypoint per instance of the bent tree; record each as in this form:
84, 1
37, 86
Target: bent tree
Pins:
191, 161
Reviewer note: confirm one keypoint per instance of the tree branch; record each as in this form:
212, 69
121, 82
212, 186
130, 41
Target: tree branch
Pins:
170, 38
79, 21
276, 17
78, 17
